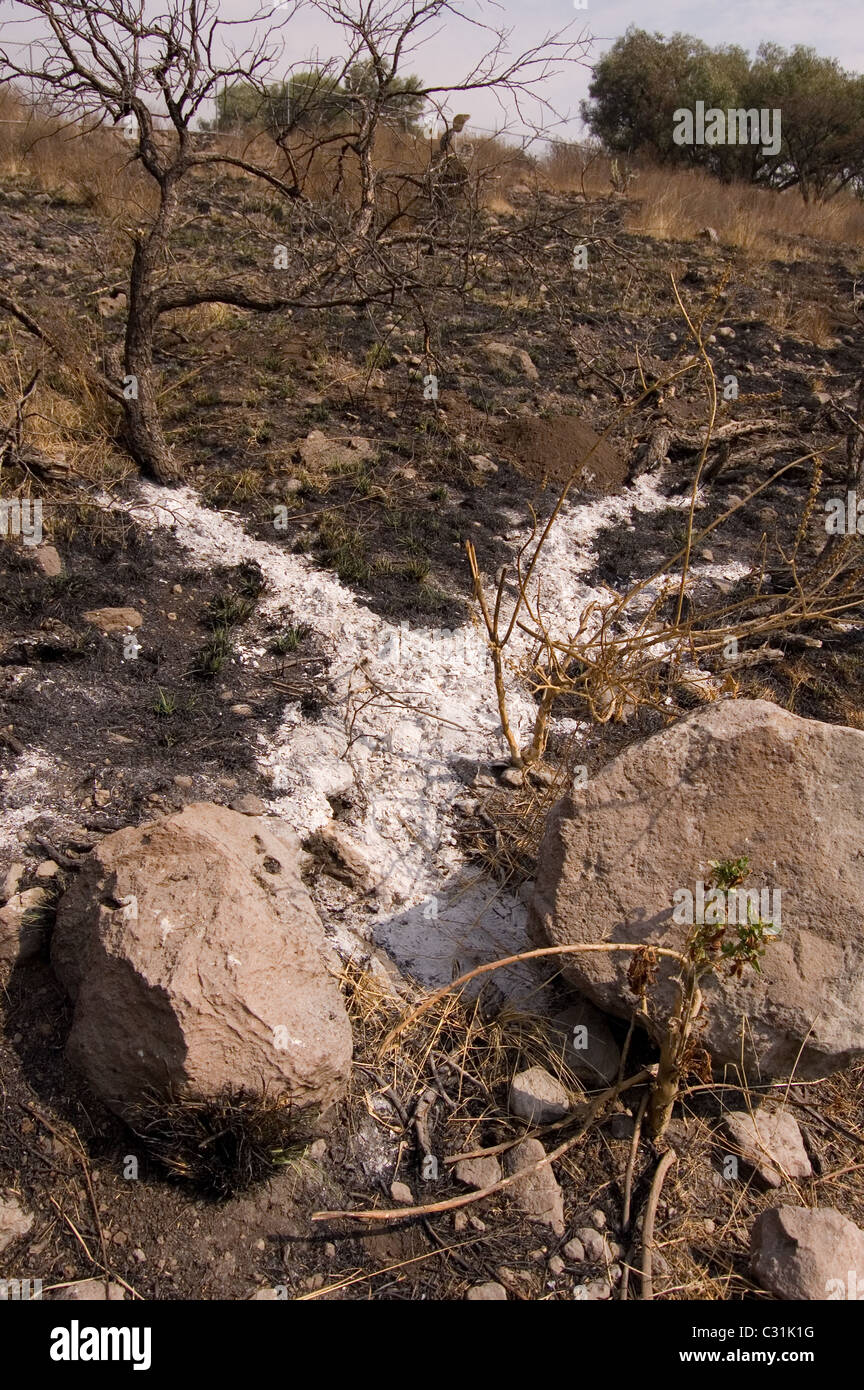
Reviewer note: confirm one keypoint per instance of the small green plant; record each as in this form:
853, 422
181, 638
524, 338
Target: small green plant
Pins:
710, 948
343, 547
290, 639
214, 653
379, 355
729, 873
416, 569
229, 610
165, 705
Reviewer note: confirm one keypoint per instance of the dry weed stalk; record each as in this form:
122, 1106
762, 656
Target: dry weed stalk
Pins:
617, 658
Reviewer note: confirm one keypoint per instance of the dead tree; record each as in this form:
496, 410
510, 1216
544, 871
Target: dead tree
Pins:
448, 176
155, 64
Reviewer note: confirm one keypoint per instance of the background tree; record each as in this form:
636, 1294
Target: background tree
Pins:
638, 85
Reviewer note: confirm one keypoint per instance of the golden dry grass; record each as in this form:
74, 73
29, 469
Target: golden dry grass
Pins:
671, 205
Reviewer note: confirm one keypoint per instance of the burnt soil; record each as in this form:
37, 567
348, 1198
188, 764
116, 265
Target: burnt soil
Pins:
242, 395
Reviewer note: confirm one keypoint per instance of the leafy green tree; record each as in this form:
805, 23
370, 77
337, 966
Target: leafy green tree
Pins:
822, 119
401, 100
644, 78
635, 89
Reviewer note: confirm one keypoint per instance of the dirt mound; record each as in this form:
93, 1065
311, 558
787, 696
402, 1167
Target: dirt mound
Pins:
553, 449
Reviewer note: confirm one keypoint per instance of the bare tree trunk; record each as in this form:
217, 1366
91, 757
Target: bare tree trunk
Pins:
142, 426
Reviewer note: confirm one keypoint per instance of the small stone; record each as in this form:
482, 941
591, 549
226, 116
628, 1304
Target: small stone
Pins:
183, 780
344, 857
769, 1142
15, 1220
176, 588
512, 777
556, 1265
598, 1219
249, 805
599, 1290
542, 775
242, 711
138, 1254
265, 1296
47, 560
538, 1194
506, 358
329, 1250
726, 332
483, 464
113, 619
593, 1244
478, 1173
460, 1221
490, 1292
318, 1150
537, 1097
621, 1126
402, 1194
47, 869
12, 882
101, 796
21, 928
574, 1250
91, 1291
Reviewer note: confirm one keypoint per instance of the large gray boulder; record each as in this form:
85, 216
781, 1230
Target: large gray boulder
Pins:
807, 1253
740, 777
197, 962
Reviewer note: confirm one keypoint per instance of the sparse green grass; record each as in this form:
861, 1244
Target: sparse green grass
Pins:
343, 548
379, 355
229, 610
416, 569
212, 656
165, 705
290, 639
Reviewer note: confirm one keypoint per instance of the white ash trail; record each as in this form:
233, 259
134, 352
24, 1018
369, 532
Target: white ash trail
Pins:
399, 752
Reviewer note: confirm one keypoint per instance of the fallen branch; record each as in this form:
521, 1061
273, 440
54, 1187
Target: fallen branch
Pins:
663, 1167
453, 1203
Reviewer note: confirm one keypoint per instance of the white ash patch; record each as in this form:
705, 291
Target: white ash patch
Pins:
407, 703
30, 789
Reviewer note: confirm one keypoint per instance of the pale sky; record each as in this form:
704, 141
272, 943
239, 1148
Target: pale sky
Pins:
835, 28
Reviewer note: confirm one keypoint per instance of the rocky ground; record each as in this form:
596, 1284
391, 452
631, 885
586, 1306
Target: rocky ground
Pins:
292, 634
